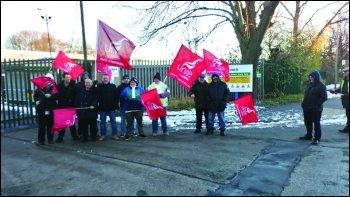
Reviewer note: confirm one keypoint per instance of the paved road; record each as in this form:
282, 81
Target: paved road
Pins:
248, 161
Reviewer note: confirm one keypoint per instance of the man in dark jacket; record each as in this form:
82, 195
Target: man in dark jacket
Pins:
108, 102
217, 96
198, 92
314, 97
66, 99
344, 91
45, 101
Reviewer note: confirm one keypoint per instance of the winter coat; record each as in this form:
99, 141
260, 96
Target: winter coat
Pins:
45, 104
315, 94
120, 89
66, 95
132, 104
344, 90
200, 91
107, 97
87, 98
217, 96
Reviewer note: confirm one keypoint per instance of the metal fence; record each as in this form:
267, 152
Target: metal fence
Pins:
17, 104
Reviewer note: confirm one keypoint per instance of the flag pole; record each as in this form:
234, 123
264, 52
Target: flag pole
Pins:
165, 79
82, 108
98, 29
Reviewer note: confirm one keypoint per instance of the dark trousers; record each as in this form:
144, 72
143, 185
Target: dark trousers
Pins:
73, 132
86, 125
199, 114
45, 123
130, 116
312, 121
80, 131
346, 128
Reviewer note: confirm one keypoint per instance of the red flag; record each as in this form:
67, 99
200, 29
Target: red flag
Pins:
245, 109
186, 68
113, 48
151, 101
63, 118
64, 63
214, 64
40, 82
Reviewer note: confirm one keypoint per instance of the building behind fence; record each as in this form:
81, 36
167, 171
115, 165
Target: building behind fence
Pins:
17, 103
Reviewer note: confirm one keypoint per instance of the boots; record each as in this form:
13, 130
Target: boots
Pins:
222, 132
210, 131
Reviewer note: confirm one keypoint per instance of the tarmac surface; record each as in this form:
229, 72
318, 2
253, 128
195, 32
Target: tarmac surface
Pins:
245, 162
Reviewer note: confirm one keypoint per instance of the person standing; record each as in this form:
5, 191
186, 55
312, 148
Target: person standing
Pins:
120, 88
198, 92
87, 110
45, 101
163, 93
344, 91
108, 104
217, 96
133, 108
66, 99
314, 97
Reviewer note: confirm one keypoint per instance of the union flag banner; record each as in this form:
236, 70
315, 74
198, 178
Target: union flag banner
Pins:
40, 82
64, 63
151, 101
63, 118
113, 48
213, 64
186, 67
245, 109
103, 68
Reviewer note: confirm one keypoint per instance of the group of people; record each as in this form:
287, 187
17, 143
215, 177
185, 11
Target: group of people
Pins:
105, 99
210, 99
91, 99
314, 97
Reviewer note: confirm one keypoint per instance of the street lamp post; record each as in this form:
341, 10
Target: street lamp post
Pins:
47, 19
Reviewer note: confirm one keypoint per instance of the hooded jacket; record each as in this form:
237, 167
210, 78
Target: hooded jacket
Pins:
315, 94
217, 96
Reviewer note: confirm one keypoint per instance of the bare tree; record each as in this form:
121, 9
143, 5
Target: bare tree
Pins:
249, 19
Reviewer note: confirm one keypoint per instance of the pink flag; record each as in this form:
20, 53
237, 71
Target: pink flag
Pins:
113, 48
63, 118
151, 101
214, 64
40, 82
104, 68
187, 66
64, 63
245, 109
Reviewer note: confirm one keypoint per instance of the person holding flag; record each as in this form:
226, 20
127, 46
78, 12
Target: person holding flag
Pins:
133, 107
45, 101
163, 93
67, 93
217, 96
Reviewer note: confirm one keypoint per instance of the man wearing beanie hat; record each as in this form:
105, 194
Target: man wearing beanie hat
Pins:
198, 93
344, 91
120, 88
45, 101
217, 97
163, 93
314, 97
133, 108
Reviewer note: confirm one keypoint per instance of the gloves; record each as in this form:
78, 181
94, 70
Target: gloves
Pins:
47, 95
37, 103
160, 95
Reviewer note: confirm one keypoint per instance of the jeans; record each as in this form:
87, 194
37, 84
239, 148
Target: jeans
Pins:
221, 117
163, 123
103, 116
123, 122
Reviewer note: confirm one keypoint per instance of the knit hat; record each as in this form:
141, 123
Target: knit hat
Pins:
49, 75
202, 75
157, 76
125, 76
215, 74
135, 80
85, 73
